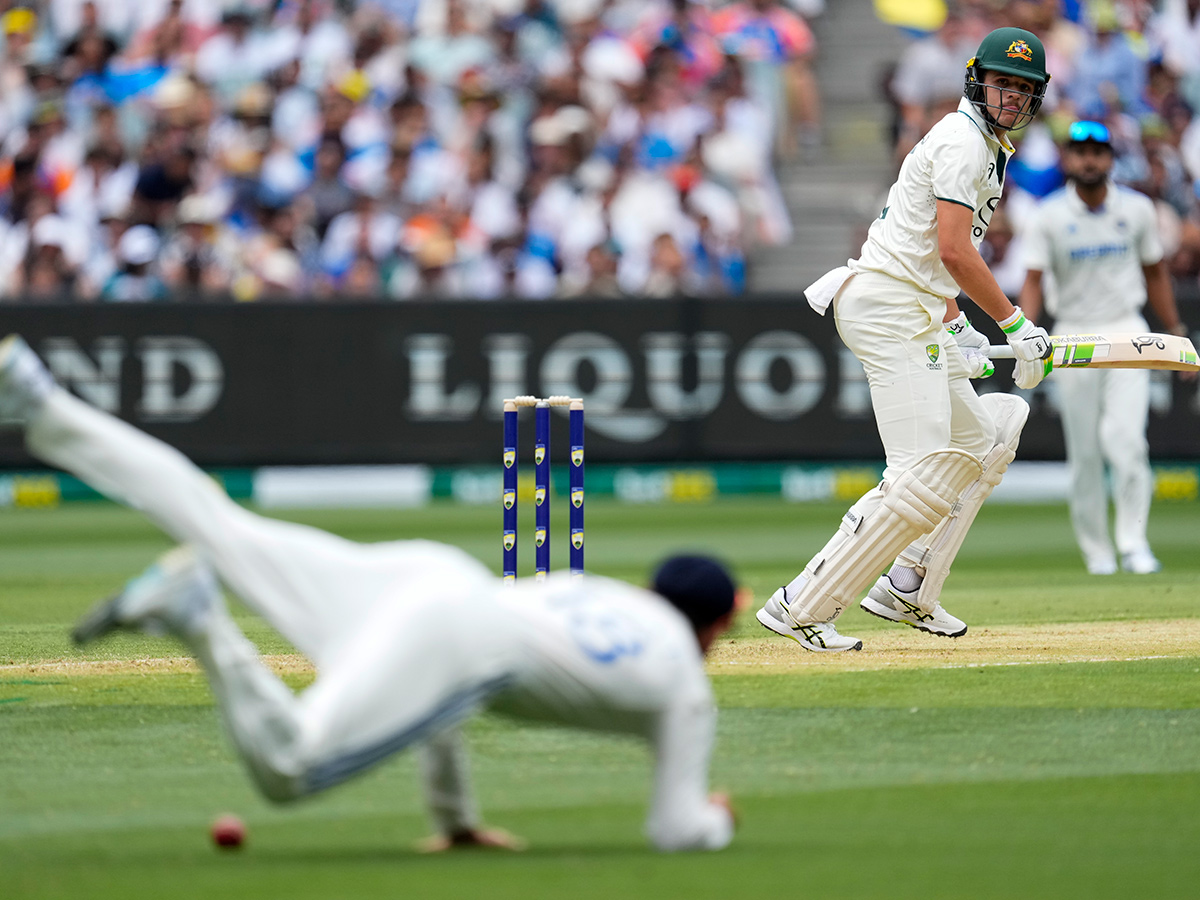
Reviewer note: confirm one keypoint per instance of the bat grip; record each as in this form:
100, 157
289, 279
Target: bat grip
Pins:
1005, 351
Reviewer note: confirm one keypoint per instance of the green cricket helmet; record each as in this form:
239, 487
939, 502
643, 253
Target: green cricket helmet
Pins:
1012, 51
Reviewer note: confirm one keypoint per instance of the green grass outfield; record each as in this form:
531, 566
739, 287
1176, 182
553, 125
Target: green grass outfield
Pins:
1052, 752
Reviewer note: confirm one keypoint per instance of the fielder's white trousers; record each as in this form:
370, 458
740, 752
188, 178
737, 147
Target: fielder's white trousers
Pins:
1104, 416
384, 623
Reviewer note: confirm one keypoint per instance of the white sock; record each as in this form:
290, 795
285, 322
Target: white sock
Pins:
905, 578
795, 585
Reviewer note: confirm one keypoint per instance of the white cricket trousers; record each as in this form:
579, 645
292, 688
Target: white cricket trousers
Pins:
921, 392
401, 650
1104, 416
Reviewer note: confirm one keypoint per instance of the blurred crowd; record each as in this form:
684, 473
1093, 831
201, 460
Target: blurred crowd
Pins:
312, 149
1132, 64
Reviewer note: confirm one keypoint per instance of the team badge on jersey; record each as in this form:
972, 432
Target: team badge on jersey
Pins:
933, 351
1020, 50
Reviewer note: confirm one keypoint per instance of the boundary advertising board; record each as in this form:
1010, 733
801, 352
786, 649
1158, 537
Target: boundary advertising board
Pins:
704, 380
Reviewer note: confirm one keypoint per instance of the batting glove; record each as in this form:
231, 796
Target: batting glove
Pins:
973, 344
979, 364
1031, 347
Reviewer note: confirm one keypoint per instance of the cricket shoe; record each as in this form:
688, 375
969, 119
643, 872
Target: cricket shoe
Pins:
173, 594
887, 602
1142, 562
24, 381
820, 637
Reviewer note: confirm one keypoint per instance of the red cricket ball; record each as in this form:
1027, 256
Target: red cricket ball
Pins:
228, 831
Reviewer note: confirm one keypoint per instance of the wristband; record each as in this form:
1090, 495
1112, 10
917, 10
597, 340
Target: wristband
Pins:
1013, 323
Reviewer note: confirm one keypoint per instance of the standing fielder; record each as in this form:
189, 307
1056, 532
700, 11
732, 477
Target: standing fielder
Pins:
895, 307
408, 637
1100, 242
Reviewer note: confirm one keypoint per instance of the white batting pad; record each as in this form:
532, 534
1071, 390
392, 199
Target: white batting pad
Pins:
868, 538
937, 553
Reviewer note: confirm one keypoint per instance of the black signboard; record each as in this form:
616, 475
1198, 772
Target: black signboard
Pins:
252, 384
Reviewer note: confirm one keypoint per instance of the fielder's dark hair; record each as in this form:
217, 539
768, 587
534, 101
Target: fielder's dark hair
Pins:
700, 587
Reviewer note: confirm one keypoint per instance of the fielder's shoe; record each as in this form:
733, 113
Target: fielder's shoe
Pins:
168, 598
1106, 566
820, 637
24, 381
887, 602
1143, 562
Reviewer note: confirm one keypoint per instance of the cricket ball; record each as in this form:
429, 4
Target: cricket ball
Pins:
228, 832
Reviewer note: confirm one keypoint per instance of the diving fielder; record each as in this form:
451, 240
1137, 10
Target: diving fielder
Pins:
1100, 242
896, 309
408, 637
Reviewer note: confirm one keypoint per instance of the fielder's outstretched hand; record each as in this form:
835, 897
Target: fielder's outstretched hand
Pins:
720, 798
491, 838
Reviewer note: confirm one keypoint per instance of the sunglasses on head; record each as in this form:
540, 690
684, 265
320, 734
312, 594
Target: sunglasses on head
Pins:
1089, 131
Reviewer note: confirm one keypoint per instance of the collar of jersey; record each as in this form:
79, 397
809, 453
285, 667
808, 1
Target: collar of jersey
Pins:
967, 108
1078, 206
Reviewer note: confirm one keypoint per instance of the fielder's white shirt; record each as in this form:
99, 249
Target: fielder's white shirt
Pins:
1095, 256
960, 160
601, 654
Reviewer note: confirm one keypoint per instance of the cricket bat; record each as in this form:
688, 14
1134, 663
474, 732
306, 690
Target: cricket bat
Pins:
1116, 351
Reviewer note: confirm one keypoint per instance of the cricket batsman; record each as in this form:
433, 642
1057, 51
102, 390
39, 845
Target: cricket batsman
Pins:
896, 309
409, 637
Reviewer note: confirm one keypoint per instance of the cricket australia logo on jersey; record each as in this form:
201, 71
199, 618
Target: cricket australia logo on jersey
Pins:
934, 352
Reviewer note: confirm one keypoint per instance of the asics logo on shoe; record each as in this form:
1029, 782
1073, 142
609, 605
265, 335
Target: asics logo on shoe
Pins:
811, 632
912, 609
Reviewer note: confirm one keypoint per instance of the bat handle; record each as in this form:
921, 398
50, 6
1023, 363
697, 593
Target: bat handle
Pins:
1005, 351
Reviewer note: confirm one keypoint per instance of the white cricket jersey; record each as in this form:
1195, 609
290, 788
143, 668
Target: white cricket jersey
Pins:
960, 160
602, 654
1095, 256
